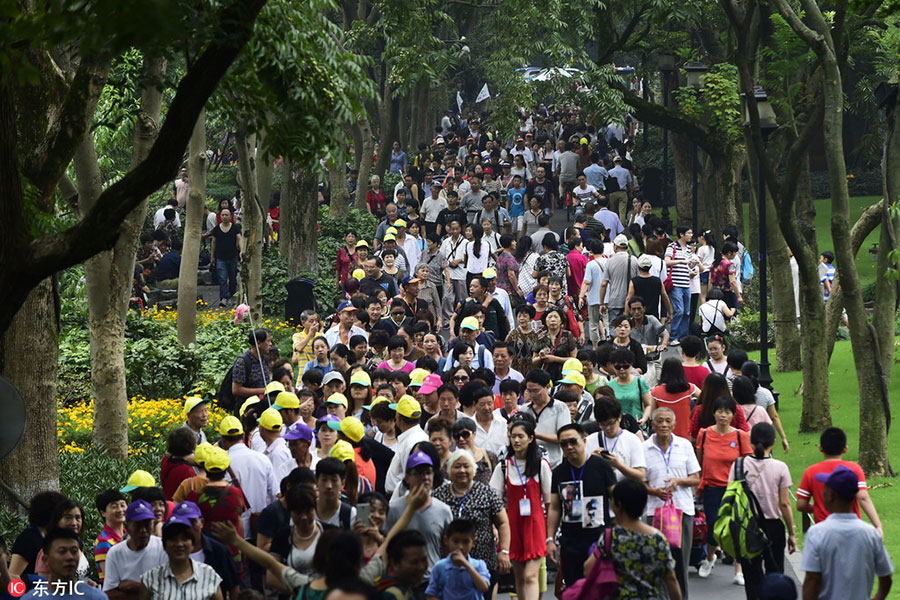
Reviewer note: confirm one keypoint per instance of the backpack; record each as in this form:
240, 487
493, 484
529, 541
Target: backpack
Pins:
747, 270
224, 396
611, 184
602, 582
737, 529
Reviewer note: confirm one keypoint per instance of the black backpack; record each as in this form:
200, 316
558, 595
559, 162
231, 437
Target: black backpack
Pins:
224, 396
611, 184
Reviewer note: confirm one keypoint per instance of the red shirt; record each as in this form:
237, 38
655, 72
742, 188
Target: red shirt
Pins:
809, 487
719, 453
680, 404
696, 375
172, 473
577, 263
739, 421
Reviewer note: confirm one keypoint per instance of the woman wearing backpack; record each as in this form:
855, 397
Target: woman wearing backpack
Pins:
770, 482
641, 555
718, 447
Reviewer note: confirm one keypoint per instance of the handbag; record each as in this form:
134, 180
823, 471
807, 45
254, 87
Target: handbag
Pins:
667, 519
668, 283
700, 526
602, 582
574, 327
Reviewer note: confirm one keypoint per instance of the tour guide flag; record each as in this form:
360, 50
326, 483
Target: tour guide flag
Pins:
484, 94
459, 101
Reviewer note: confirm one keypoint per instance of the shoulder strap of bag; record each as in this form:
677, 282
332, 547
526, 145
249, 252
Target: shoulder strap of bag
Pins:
344, 516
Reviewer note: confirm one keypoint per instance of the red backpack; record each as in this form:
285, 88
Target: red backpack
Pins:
602, 583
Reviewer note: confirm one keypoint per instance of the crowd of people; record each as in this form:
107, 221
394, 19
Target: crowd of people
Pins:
487, 401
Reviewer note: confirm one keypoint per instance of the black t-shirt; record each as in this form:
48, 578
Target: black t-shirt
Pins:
446, 216
591, 497
226, 242
648, 288
413, 309
381, 456
367, 285
542, 190
273, 518
27, 545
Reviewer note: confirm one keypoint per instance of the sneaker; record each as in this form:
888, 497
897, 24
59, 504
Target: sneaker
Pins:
223, 302
674, 343
705, 568
738, 579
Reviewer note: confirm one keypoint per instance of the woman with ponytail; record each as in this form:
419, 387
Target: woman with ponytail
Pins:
765, 400
770, 481
478, 251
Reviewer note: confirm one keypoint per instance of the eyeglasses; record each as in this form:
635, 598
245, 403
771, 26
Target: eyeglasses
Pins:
621, 367
397, 313
464, 434
569, 442
461, 378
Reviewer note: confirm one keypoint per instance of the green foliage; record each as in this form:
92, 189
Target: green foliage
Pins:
743, 331
718, 103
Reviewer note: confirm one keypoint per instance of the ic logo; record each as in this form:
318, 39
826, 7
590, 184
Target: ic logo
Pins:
16, 588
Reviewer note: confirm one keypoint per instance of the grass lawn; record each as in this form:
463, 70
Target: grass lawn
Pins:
844, 414
864, 263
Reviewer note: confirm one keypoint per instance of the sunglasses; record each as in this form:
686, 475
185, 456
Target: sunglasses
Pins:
464, 434
622, 366
397, 313
567, 443
462, 378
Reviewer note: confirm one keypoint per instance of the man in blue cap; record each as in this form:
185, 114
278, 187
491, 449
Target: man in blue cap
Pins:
141, 551
345, 329
843, 554
208, 550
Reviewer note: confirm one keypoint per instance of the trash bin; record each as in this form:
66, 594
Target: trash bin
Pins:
300, 297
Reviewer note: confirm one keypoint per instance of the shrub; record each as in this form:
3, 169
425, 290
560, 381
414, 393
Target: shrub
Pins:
743, 331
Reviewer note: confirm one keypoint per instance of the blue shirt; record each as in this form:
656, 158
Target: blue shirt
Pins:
516, 202
398, 162
169, 265
610, 220
595, 175
449, 582
623, 175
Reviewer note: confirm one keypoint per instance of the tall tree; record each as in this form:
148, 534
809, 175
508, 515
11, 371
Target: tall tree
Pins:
193, 224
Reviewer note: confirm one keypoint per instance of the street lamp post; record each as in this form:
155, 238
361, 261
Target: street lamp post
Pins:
767, 124
666, 64
695, 71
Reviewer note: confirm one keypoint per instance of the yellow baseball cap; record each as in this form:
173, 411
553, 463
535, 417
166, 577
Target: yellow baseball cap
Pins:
417, 377
377, 400
248, 403
139, 479
201, 452
286, 400
358, 274
574, 377
583, 141
362, 244
349, 426
218, 460
399, 223
390, 237
470, 323
338, 398
192, 403
408, 407
361, 378
274, 386
390, 231
271, 419
231, 425
572, 364
342, 451
489, 273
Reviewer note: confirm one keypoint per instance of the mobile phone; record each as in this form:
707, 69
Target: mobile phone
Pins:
603, 453
363, 512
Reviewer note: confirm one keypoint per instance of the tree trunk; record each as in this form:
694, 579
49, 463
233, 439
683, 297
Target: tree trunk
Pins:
787, 336
251, 222
720, 191
806, 209
299, 233
365, 161
387, 125
356, 134
681, 150
337, 183
264, 173
30, 361
193, 224
109, 274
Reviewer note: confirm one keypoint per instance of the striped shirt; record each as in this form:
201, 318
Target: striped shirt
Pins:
105, 540
681, 273
162, 584
306, 354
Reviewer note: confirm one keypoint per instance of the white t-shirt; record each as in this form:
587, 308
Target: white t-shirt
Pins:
124, 564
711, 315
160, 216
477, 264
431, 207
584, 195
626, 446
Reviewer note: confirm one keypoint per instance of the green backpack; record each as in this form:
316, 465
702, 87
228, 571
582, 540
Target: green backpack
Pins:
737, 529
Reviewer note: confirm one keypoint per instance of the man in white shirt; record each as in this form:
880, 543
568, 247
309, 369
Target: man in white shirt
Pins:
527, 154
270, 425
621, 448
502, 296
252, 470
490, 429
584, 193
454, 248
502, 368
549, 413
141, 551
160, 215
432, 206
619, 200
409, 411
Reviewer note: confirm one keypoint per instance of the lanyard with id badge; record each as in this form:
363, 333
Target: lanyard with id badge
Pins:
575, 489
524, 503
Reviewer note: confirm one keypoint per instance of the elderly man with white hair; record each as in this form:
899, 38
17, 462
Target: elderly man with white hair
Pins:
476, 501
672, 472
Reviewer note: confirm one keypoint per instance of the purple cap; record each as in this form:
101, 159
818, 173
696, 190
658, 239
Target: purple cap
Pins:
175, 521
418, 458
345, 305
298, 431
842, 480
139, 510
187, 509
323, 420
